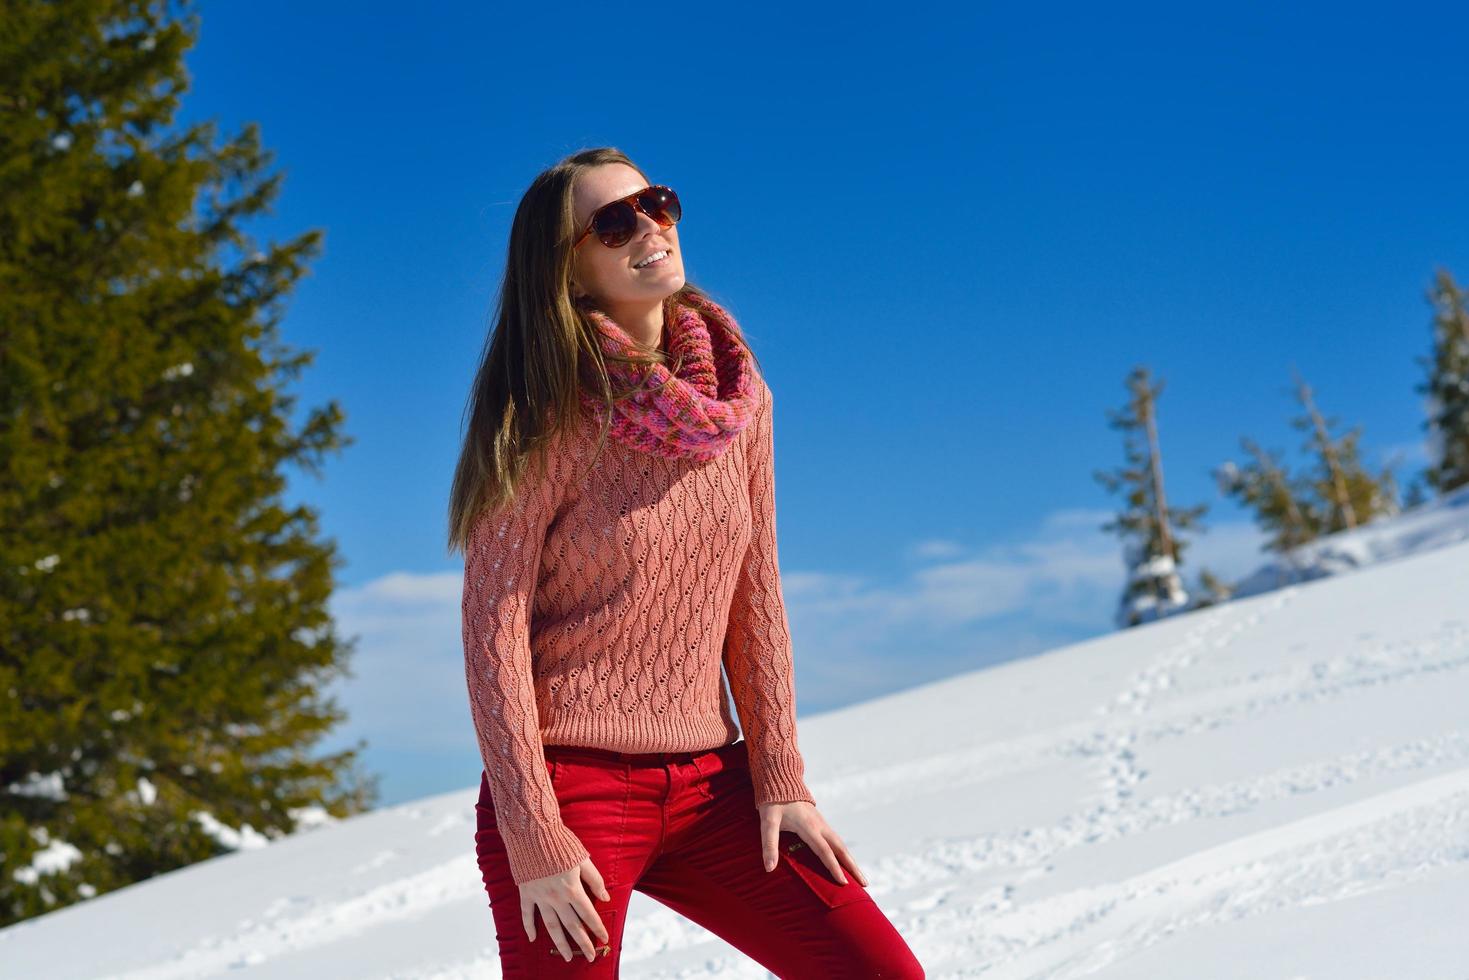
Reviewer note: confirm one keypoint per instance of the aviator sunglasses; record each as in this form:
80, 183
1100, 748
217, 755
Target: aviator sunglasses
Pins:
615, 222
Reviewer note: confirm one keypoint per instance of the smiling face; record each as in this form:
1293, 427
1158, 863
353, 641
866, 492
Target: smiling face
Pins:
610, 274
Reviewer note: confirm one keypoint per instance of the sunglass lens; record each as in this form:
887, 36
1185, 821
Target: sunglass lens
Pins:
615, 223
661, 204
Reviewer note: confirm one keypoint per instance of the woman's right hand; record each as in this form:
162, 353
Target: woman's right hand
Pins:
565, 905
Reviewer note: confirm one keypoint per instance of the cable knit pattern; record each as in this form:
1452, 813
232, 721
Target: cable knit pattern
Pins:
599, 609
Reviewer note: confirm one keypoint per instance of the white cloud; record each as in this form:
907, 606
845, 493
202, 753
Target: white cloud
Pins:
936, 548
856, 636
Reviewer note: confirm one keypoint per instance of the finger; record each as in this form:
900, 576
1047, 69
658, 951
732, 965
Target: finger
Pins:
847, 860
590, 873
528, 918
828, 858
769, 843
558, 934
579, 937
582, 905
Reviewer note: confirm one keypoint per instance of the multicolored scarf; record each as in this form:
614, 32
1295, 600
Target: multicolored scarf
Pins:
705, 405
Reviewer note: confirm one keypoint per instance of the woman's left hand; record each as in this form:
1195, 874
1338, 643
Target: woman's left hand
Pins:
805, 820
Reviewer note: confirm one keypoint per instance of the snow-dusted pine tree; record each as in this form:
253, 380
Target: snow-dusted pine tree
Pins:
1210, 590
1346, 493
1152, 550
1447, 386
1282, 504
165, 637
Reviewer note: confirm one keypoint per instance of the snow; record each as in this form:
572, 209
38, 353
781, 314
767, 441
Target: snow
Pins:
57, 855
49, 786
1443, 520
244, 838
1272, 787
147, 792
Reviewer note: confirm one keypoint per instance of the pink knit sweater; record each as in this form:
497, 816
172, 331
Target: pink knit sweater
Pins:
598, 609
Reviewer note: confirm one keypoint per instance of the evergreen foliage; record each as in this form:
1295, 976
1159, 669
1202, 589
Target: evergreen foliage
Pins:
1345, 493
1281, 502
1336, 492
1447, 385
1210, 590
1153, 552
164, 632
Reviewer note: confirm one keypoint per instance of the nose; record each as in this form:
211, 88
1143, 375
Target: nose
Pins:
647, 225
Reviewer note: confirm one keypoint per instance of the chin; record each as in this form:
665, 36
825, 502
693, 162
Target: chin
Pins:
665, 287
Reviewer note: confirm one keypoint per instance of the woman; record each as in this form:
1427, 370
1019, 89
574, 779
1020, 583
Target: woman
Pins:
615, 502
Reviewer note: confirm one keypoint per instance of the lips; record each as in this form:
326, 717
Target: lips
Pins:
668, 255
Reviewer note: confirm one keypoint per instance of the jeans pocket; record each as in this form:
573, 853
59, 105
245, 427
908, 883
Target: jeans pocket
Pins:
722, 768
809, 868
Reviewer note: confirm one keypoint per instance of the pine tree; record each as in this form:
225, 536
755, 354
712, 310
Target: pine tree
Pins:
164, 632
1416, 493
1211, 590
1281, 503
1447, 385
1346, 492
1152, 550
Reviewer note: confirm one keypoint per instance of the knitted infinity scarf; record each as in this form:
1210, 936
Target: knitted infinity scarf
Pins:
704, 407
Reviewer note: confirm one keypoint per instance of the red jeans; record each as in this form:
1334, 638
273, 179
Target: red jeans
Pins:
682, 828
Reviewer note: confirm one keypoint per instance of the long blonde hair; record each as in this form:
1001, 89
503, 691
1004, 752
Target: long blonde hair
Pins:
542, 352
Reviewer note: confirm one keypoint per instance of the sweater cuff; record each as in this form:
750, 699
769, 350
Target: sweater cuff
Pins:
780, 781
542, 851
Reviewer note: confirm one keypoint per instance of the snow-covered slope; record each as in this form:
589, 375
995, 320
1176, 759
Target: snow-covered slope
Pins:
1277, 787
1441, 521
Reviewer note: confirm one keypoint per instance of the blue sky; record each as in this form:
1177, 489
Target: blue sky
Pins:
948, 232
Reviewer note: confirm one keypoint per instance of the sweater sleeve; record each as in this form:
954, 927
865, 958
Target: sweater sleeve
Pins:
757, 646
502, 560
